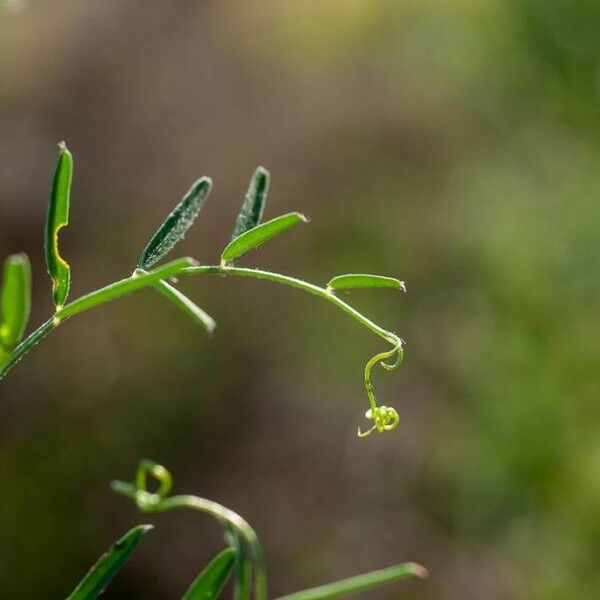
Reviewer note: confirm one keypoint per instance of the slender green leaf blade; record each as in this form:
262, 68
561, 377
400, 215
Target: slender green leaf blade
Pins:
259, 235
15, 300
186, 305
360, 583
109, 564
175, 226
58, 217
211, 581
254, 203
361, 280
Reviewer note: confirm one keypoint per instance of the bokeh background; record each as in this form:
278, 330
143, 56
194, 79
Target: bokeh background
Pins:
453, 144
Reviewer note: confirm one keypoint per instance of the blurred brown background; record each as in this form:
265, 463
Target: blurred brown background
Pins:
452, 144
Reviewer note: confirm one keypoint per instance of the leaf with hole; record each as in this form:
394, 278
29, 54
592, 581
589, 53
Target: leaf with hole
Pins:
211, 581
259, 235
254, 203
175, 226
109, 564
360, 280
58, 217
360, 583
15, 301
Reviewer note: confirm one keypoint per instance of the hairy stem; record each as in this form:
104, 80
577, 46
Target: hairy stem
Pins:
121, 288
310, 288
182, 266
91, 300
26, 345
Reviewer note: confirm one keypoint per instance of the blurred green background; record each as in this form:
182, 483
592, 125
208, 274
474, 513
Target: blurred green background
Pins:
453, 144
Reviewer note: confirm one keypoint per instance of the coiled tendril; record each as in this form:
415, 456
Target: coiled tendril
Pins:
138, 491
385, 418
250, 564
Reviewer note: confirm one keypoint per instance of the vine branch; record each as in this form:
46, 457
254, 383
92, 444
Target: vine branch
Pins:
384, 418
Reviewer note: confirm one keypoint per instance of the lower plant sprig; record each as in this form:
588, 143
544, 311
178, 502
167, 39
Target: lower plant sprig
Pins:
244, 545
250, 560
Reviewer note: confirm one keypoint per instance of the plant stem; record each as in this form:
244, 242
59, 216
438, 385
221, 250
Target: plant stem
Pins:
223, 514
91, 300
299, 284
120, 288
26, 345
182, 267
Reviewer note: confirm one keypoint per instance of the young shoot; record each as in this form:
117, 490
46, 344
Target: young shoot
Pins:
248, 234
245, 555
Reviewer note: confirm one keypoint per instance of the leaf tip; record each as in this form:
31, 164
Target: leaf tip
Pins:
62, 146
262, 170
418, 570
133, 535
192, 262
20, 258
205, 180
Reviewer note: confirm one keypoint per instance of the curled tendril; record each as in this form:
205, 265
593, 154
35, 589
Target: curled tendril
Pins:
146, 501
385, 418
241, 536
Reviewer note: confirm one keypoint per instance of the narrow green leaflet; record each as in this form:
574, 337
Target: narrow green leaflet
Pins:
360, 280
211, 581
186, 305
360, 583
175, 226
109, 564
258, 235
58, 217
15, 301
254, 203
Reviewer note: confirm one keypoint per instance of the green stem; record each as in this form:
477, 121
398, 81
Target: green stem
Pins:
26, 345
384, 418
310, 288
91, 300
182, 267
121, 288
223, 514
